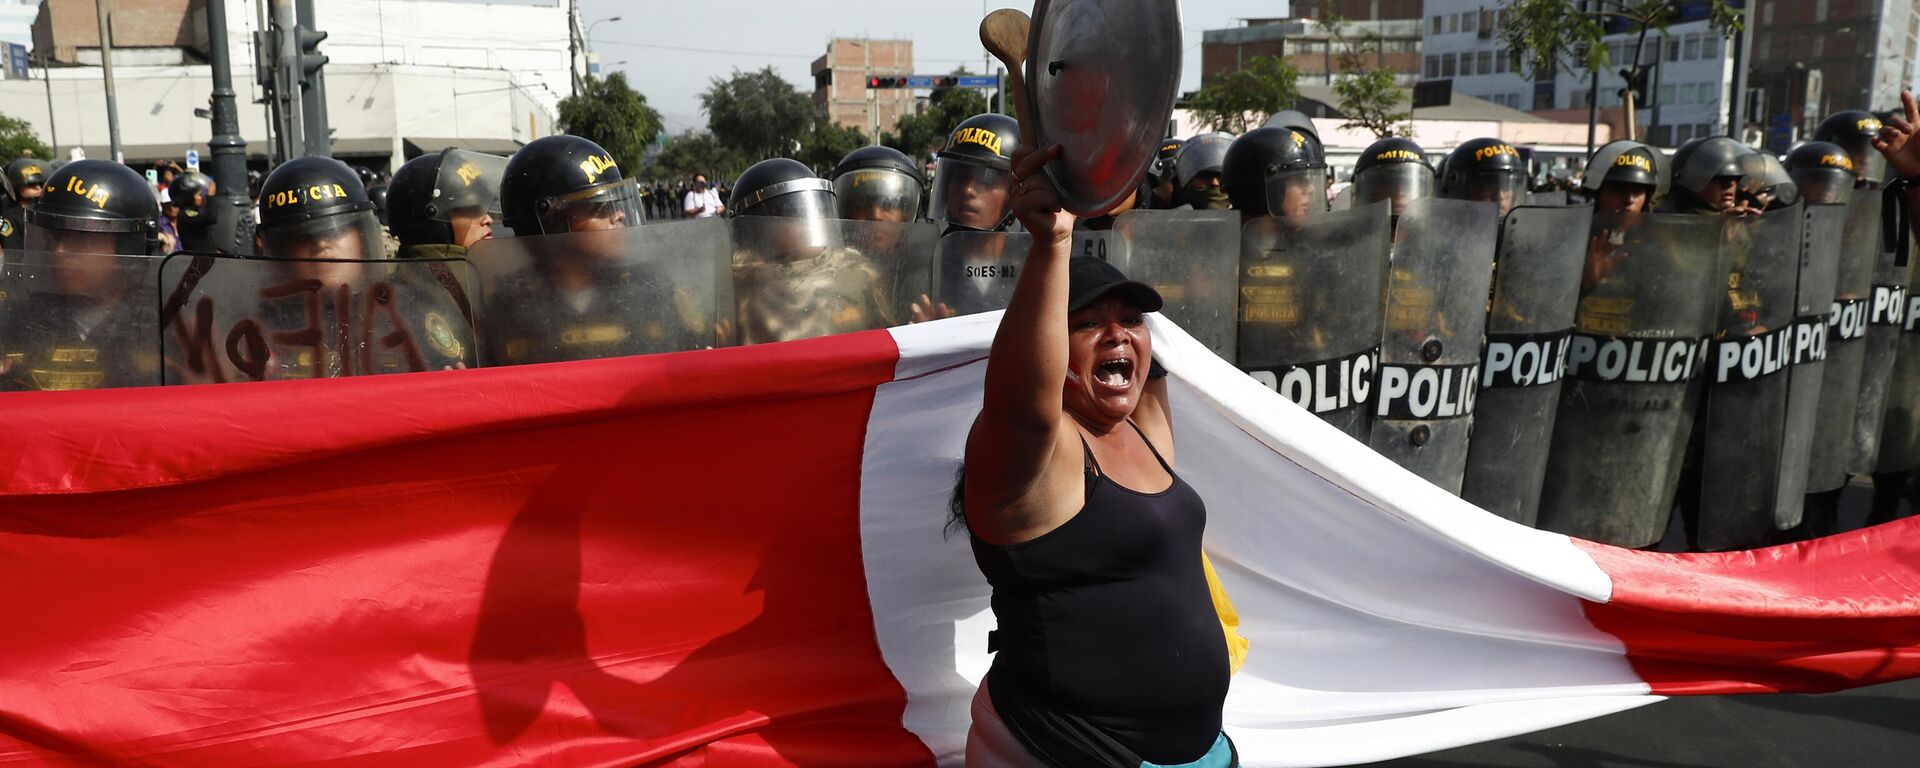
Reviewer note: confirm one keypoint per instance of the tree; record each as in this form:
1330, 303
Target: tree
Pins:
613, 115
920, 135
1544, 35
685, 155
17, 137
1243, 100
822, 147
758, 114
1364, 90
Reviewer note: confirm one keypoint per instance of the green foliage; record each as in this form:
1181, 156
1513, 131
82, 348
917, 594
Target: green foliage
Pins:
1366, 94
920, 135
822, 147
683, 156
1243, 100
1543, 36
613, 115
17, 137
758, 114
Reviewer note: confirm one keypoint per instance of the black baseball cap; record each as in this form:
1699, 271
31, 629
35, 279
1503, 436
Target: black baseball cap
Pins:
1089, 278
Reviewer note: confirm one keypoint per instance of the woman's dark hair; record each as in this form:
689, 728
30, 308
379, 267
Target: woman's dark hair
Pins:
957, 504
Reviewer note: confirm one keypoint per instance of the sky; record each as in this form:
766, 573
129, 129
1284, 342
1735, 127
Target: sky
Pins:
673, 48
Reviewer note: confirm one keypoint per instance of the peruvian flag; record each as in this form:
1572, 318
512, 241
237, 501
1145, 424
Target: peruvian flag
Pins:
736, 557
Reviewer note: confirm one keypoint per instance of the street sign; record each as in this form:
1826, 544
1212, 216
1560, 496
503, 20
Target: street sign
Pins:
979, 81
932, 81
193, 160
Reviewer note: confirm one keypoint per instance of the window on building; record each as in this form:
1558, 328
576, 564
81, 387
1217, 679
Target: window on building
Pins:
1470, 21
1710, 45
1673, 49
1431, 69
1436, 23
1682, 134
1693, 47
1453, 23
1666, 95
1486, 62
1766, 13
1763, 46
1446, 65
1819, 11
1819, 46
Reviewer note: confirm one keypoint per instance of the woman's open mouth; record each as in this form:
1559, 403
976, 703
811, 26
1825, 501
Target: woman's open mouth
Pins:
1116, 372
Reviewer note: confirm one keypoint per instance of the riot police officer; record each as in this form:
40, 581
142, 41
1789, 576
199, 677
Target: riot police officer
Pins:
187, 196
970, 187
1625, 176
566, 183
1393, 169
1854, 131
441, 204
1486, 171
1197, 171
1707, 173
1277, 171
25, 181
1767, 185
793, 276
1823, 172
84, 323
877, 184
1160, 175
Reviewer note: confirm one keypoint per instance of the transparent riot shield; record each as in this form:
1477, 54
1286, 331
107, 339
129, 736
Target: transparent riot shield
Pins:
801, 278
1886, 312
1840, 383
1819, 269
1650, 294
1900, 428
1436, 315
1310, 299
228, 318
609, 293
77, 321
1191, 258
1744, 430
1536, 285
975, 271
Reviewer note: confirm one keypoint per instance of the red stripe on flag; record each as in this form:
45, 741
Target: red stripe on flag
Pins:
1838, 612
638, 561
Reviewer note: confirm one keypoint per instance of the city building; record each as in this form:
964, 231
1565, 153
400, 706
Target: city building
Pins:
1812, 58
397, 83
1359, 10
840, 83
1690, 69
1312, 47
16, 37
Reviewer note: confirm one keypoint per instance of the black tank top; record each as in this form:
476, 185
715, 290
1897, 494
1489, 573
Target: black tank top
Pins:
1107, 620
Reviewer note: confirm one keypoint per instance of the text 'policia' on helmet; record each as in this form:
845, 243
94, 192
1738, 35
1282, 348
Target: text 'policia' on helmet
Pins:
1393, 169
566, 183
1823, 171
970, 187
1275, 170
445, 198
1854, 130
315, 208
878, 184
1487, 171
23, 179
786, 189
1624, 162
95, 206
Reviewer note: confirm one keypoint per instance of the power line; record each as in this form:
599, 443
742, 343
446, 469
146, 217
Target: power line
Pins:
724, 52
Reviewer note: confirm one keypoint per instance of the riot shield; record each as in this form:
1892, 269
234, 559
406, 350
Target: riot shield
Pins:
590, 295
1191, 258
1886, 311
229, 318
976, 271
1819, 269
1900, 428
1310, 298
1744, 430
1846, 349
1536, 284
1436, 316
1628, 396
77, 321
801, 278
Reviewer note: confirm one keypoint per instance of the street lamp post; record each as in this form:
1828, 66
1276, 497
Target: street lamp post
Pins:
590, 31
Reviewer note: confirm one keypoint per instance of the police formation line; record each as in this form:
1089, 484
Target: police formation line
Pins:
1585, 363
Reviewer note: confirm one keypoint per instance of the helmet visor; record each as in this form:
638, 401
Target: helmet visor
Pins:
350, 235
613, 205
55, 233
1503, 188
1824, 186
1297, 194
877, 194
1399, 183
468, 183
787, 228
970, 195
1868, 164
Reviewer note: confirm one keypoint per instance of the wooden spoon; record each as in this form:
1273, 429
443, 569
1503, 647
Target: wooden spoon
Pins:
1004, 33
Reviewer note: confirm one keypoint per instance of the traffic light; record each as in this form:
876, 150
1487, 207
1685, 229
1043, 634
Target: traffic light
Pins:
946, 81
886, 82
311, 60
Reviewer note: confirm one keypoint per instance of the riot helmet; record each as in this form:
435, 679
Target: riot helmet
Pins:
1625, 173
1823, 171
1707, 173
1197, 170
970, 188
1854, 130
877, 184
95, 207
378, 194
314, 208
1163, 162
1275, 171
445, 198
25, 179
190, 192
368, 179
1487, 171
1296, 121
1393, 169
1767, 185
566, 183
786, 189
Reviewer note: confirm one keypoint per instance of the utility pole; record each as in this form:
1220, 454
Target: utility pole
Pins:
1737, 98
286, 82
53, 125
234, 225
104, 10
313, 81
573, 44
